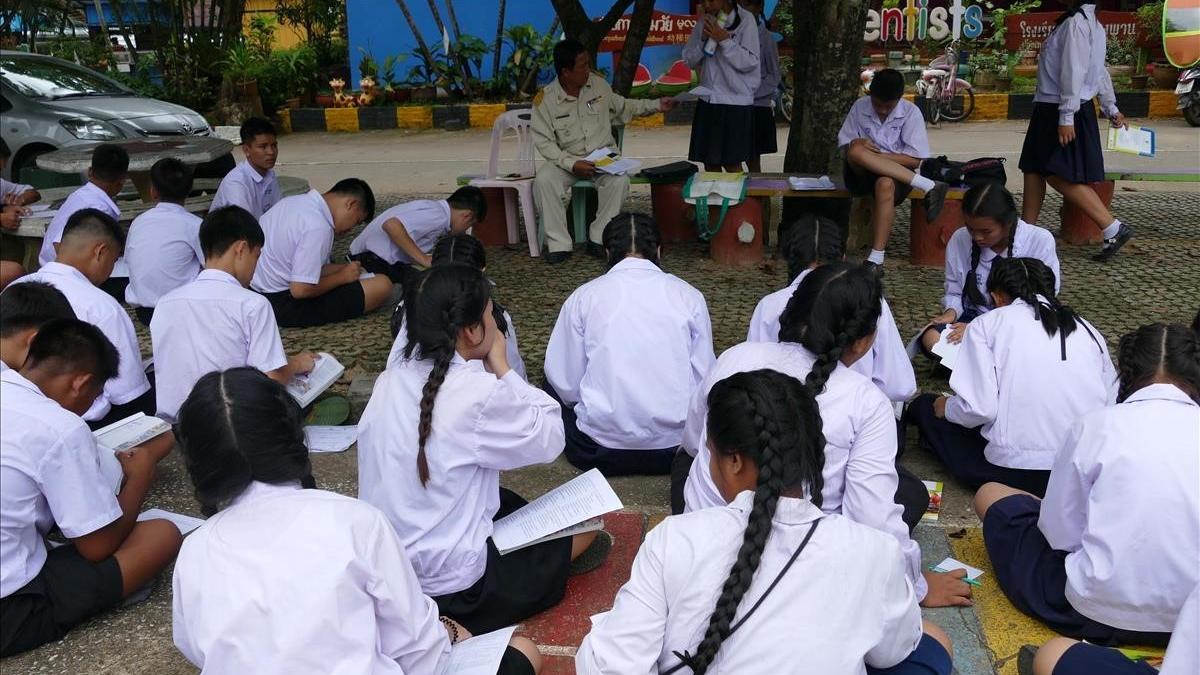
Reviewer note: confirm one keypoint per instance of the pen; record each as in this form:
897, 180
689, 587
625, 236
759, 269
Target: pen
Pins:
973, 582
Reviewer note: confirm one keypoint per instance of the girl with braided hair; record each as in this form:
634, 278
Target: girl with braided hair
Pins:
993, 231
440, 427
1109, 556
777, 565
1027, 370
828, 325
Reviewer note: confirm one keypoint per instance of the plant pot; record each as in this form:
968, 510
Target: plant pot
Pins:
1165, 76
323, 100
424, 93
1025, 70
1029, 59
1003, 83
985, 80
1139, 82
293, 103
878, 59
400, 95
1119, 71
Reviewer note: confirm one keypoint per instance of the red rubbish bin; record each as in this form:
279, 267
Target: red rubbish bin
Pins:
927, 241
493, 229
726, 247
1077, 228
671, 213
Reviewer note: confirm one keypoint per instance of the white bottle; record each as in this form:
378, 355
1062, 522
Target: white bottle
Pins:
710, 47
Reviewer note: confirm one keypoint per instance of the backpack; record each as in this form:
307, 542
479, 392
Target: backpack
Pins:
984, 170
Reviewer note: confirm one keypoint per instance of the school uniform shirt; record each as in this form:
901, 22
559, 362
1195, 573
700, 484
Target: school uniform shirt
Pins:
628, 351
287, 580
732, 74
887, 362
511, 350
163, 253
1071, 67
425, 220
902, 133
859, 426
11, 189
211, 324
1011, 379
1124, 502
1183, 651
847, 588
1029, 241
482, 425
768, 51
103, 311
86, 197
244, 186
299, 237
50, 469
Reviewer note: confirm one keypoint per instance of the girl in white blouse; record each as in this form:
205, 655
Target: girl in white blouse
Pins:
256, 586
440, 427
768, 582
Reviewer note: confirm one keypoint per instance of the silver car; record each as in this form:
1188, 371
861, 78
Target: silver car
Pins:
48, 103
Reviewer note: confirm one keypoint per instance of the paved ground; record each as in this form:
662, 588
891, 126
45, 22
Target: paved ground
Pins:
1155, 279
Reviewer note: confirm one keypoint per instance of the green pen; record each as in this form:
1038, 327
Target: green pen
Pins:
973, 582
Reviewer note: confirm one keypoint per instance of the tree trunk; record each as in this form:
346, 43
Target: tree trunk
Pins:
635, 40
499, 40
579, 26
437, 18
412, 24
462, 62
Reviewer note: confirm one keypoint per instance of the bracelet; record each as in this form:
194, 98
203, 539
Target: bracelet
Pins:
451, 628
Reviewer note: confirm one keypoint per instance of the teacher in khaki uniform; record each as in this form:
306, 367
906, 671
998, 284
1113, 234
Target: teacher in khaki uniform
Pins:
573, 116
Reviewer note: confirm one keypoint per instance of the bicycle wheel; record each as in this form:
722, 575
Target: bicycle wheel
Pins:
957, 108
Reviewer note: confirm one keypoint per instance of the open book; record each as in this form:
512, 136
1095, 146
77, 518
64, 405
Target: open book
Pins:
610, 161
306, 388
558, 513
481, 654
133, 430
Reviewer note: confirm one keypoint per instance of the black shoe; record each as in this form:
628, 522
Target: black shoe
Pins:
596, 251
935, 199
556, 257
593, 556
1111, 246
1025, 660
873, 267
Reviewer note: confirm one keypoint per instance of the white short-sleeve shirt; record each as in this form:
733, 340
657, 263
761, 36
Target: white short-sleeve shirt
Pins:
244, 186
1183, 652
163, 253
425, 220
50, 470
299, 237
88, 196
903, 132
208, 325
8, 188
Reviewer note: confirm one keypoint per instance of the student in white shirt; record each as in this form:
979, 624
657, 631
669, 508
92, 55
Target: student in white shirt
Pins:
253, 184
1110, 554
405, 234
294, 272
52, 479
828, 325
14, 194
440, 427
763, 114
884, 140
163, 247
91, 243
1062, 144
463, 249
13, 198
257, 584
1026, 371
626, 355
106, 177
215, 323
799, 590
993, 230
24, 308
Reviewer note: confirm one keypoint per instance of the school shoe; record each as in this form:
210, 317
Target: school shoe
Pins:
935, 199
1111, 246
1025, 660
557, 257
594, 555
874, 268
596, 251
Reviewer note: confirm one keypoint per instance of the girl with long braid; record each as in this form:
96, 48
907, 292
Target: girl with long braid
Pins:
440, 427
993, 230
1027, 370
796, 589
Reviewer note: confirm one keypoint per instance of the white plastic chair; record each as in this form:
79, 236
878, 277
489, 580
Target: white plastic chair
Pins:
519, 190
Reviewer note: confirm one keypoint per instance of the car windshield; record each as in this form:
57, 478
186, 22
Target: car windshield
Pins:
48, 79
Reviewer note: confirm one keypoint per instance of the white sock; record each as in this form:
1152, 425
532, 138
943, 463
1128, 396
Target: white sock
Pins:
921, 183
875, 257
1112, 230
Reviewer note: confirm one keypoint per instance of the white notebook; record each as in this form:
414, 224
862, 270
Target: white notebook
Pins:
481, 654
133, 430
556, 513
306, 388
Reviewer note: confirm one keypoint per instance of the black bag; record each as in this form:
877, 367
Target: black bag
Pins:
947, 171
675, 172
984, 170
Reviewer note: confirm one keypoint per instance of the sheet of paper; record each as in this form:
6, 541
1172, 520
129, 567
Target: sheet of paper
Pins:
610, 161
366, 275
950, 564
589, 525
946, 351
935, 501
121, 268
811, 183
1132, 140
692, 95
38, 210
320, 438
184, 523
914, 345
133, 430
575, 501
479, 655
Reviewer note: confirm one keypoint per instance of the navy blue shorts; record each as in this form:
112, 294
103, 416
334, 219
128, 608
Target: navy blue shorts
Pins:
345, 302
1086, 659
929, 658
585, 453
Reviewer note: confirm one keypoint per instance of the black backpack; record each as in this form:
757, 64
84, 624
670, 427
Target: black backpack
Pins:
971, 173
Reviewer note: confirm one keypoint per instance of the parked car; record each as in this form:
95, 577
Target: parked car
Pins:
48, 103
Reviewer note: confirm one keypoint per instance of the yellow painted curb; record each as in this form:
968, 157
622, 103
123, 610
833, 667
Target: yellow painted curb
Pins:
655, 120
1163, 104
285, 120
990, 107
341, 119
483, 115
414, 117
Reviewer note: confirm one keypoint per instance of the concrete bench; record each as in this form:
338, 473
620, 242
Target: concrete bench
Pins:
1077, 228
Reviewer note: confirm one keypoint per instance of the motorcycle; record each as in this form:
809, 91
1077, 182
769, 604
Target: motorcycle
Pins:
948, 97
1189, 95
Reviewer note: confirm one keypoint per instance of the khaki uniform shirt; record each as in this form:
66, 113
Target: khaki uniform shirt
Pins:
567, 128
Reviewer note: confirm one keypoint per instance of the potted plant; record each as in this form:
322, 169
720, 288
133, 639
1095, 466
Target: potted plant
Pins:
423, 77
1121, 55
240, 66
393, 90
1139, 78
985, 66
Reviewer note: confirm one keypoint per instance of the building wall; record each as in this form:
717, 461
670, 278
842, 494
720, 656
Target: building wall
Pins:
285, 36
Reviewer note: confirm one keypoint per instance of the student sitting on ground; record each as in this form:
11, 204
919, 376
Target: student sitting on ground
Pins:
106, 177
884, 140
214, 323
1110, 554
846, 604
163, 247
440, 427
993, 231
23, 310
52, 479
404, 235
628, 352
1026, 372
295, 273
91, 243
253, 184
257, 585
466, 250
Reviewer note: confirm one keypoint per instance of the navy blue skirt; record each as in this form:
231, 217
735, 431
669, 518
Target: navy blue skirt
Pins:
722, 135
1085, 659
765, 139
1082, 161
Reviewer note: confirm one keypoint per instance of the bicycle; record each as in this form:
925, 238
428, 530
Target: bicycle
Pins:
948, 97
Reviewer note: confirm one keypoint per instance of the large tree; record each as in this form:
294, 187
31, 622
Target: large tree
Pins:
578, 25
635, 39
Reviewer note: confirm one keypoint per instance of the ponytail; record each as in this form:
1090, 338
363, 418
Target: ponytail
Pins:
993, 201
811, 239
467, 250
1159, 352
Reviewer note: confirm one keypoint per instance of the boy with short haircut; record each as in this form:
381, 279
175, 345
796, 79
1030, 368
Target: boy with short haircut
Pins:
214, 323
23, 310
91, 243
404, 235
106, 177
163, 248
295, 274
253, 184
52, 478
884, 140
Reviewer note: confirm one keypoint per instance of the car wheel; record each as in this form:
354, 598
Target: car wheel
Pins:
27, 159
